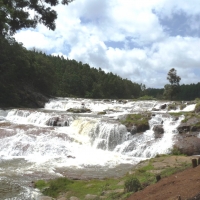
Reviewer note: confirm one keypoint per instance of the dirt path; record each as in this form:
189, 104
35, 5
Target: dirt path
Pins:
185, 184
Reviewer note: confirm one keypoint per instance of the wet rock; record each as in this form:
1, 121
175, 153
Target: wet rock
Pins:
58, 121
183, 128
133, 130
163, 106
175, 118
79, 110
142, 128
158, 131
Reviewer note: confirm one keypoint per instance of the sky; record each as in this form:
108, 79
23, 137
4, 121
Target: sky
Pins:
140, 40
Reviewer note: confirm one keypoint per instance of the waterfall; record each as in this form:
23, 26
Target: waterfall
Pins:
41, 143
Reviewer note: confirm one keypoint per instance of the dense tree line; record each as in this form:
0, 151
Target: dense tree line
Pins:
23, 72
186, 92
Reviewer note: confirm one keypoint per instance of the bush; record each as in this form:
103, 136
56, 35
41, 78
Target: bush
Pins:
182, 106
197, 108
132, 184
172, 107
176, 151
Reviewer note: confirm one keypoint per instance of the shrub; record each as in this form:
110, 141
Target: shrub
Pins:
172, 106
197, 108
40, 184
182, 106
132, 184
176, 151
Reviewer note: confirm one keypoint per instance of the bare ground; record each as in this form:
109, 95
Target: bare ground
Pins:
184, 185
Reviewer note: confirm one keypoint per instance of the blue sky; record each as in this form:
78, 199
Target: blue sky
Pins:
140, 40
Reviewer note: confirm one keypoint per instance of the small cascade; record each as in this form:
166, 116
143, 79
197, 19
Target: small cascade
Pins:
38, 118
146, 144
107, 136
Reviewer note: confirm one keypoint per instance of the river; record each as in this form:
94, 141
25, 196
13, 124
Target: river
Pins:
51, 142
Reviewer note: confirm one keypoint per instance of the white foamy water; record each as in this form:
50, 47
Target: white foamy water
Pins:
46, 142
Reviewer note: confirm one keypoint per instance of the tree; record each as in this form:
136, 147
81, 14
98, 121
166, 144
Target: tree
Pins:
172, 89
15, 14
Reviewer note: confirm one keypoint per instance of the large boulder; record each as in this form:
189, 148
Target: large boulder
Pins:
183, 128
188, 144
192, 125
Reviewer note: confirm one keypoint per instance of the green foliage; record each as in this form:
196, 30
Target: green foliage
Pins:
176, 151
137, 119
41, 184
182, 106
146, 97
15, 14
56, 186
143, 176
172, 170
173, 88
197, 107
132, 184
172, 106
25, 72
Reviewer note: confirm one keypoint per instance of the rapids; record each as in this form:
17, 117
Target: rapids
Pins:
51, 142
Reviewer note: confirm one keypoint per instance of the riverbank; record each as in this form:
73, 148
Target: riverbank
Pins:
113, 188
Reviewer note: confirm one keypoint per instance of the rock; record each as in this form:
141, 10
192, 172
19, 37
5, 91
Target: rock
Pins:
90, 196
175, 118
133, 130
163, 106
58, 121
183, 128
46, 198
74, 198
158, 131
188, 145
79, 110
62, 198
142, 128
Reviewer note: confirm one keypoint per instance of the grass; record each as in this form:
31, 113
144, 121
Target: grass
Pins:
109, 188
137, 119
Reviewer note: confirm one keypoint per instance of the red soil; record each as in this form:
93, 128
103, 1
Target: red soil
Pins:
180, 186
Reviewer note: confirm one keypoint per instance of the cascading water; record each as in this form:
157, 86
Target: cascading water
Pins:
51, 142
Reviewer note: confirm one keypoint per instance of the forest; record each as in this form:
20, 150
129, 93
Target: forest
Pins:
23, 72
27, 76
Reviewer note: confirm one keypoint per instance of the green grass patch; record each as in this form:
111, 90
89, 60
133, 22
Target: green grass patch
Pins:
146, 175
172, 170
137, 119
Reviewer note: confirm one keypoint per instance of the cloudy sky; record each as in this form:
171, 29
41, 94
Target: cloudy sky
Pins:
140, 40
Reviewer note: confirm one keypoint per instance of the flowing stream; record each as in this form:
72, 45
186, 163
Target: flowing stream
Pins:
51, 142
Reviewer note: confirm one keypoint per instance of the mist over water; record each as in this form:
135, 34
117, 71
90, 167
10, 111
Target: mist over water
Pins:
51, 142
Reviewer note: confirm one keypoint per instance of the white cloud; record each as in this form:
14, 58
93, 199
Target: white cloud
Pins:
145, 52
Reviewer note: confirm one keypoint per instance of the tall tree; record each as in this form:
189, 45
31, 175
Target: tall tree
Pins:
172, 89
15, 14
